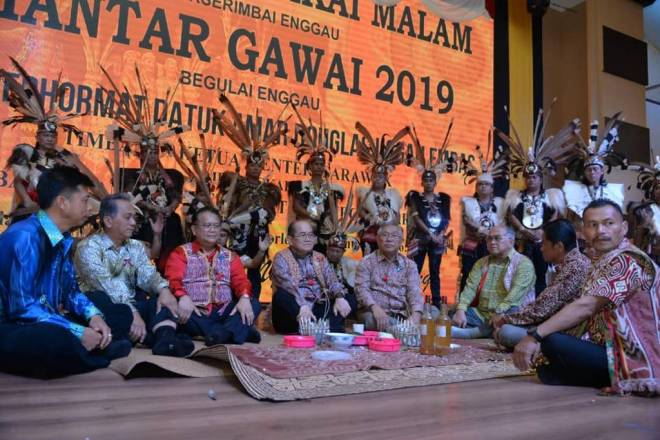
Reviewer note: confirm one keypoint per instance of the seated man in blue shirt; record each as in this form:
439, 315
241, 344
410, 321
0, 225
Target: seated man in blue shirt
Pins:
47, 326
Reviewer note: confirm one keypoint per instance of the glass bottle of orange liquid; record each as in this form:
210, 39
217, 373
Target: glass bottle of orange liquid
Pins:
442, 338
427, 329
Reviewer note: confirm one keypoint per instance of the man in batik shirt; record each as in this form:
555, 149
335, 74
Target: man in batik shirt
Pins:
387, 283
305, 284
112, 262
571, 266
619, 311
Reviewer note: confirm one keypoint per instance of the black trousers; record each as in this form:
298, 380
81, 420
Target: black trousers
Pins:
435, 259
118, 316
47, 350
254, 275
221, 327
351, 297
285, 311
573, 362
147, 308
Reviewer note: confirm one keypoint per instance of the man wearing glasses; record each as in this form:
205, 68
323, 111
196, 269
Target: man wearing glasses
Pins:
387, 283
305, 285
215, 295
504, 280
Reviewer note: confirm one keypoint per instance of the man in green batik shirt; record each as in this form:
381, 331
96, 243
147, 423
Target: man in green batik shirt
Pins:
502, 281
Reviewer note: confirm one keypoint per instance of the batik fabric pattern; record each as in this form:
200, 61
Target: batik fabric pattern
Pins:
564, 288
392, 284
117, 270
307, 278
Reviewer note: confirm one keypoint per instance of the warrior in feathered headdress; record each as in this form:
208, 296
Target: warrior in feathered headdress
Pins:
155, 190
341, 237
314, 199
481, 211
379, 204
596, 157
648, 181
645, 218
28, 162
530, 209
428, 211
250, 200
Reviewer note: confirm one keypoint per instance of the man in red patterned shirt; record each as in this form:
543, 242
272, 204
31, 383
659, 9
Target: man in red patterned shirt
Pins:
618, 310
214, 294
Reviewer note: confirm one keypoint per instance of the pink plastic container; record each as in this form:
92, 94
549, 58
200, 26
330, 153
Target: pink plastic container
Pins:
370, 335
360, 340
295, 341
385, 345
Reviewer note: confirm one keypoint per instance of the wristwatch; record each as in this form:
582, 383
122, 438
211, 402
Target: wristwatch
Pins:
534, 334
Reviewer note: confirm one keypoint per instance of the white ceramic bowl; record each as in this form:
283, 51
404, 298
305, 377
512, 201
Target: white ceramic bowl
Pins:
339, 340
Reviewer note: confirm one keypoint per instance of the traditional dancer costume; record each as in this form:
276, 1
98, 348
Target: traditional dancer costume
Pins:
646, 215
480, 214
380, 206
251, 202
156, 191
597, 152
314, 199
28, 162
342, 234
429, 214
528, 212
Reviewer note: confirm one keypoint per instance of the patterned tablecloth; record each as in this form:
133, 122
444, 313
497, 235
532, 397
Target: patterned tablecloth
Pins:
283, 362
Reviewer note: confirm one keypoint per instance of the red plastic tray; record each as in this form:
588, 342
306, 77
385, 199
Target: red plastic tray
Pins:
386, 345
360, 340
295, 341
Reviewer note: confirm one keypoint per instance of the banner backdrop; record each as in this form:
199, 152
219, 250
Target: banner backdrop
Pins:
346, 60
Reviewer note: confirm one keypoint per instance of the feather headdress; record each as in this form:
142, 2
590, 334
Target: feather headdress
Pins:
199, 173
649, 178
26, 100
383, 156
309, 145
488, 170
134, 123
344, 226
442, 165
254, 148
600, 148
544, 155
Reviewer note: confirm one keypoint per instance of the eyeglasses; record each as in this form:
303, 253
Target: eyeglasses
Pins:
209, 226
305, 235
